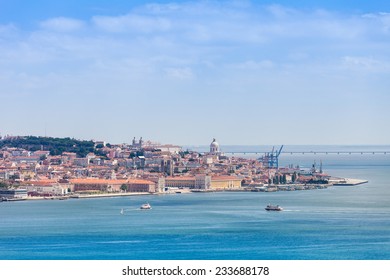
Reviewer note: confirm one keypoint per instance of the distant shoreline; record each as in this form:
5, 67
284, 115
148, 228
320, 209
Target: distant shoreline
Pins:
288, 187
83, 196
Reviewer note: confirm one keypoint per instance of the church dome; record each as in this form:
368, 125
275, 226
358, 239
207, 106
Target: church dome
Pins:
214, 147
214, 143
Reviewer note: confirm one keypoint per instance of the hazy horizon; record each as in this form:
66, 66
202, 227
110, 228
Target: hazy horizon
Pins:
206, 145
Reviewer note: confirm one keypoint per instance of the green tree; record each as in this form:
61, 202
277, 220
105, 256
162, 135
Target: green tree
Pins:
3, 185
294, 177
124, 187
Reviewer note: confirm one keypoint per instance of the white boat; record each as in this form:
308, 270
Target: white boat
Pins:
122, 211
145, 206
273, 208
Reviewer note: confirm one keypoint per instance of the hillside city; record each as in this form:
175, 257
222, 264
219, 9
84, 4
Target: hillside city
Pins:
139, 167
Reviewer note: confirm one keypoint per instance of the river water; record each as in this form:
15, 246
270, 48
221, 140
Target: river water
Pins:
336, 223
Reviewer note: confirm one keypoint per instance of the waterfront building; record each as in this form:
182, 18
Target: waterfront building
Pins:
13, 193
225, 182
46, 188
180, 182
159, 182
107, 185
202, 181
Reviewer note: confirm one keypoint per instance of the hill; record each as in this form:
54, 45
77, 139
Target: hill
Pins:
56, 146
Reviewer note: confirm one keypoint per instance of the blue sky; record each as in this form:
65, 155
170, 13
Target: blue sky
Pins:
244, 72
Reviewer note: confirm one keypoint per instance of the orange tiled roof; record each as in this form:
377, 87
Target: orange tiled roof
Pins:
109, 181
40, 182
187, 178
225, 178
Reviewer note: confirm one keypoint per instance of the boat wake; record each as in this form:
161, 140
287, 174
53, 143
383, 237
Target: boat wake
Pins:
128, 210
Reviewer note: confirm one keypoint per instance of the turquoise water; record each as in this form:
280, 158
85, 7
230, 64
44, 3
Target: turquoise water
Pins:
334, 223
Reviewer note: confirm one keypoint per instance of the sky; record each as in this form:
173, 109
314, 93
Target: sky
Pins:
185, 72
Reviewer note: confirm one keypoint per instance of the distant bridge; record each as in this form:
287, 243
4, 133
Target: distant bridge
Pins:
313, 152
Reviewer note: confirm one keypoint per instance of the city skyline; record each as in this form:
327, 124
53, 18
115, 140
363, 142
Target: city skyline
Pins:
244, 72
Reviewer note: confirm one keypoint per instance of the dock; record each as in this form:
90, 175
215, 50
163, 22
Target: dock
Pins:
347, 181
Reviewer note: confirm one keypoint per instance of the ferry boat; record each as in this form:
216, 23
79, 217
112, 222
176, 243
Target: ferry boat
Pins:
273, 208
145, 206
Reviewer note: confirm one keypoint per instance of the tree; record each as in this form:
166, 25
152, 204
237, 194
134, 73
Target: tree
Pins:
3, 185
294, 177
284, 179
124, 187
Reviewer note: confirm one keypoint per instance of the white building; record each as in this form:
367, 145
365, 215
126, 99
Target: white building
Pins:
214, 147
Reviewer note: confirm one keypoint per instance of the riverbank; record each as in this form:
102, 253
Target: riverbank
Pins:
334, 181
82, 196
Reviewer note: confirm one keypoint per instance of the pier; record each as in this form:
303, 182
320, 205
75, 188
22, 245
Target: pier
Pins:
346, 182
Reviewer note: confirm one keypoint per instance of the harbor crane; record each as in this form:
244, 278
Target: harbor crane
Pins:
271, 160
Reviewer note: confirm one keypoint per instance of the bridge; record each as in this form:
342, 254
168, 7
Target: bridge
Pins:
312, 152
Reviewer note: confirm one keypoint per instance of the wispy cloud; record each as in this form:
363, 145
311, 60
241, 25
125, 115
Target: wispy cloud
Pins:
62, 24
214, 51
360, 63
381, 17
253, 65
7, 29
131, 23
180, 73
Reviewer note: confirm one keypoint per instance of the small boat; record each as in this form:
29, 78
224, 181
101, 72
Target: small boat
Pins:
122, 211
273, 208
145, 206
